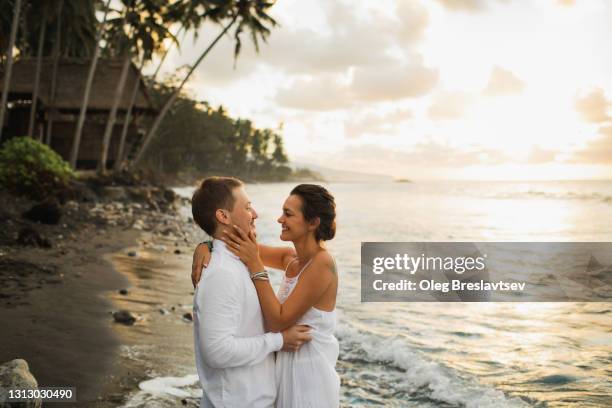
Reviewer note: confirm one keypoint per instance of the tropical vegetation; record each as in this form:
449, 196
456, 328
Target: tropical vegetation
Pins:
185, 134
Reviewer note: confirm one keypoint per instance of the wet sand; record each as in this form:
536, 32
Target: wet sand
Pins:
63, 329
58, 315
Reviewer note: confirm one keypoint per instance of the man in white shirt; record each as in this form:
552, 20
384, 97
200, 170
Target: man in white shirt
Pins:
234, 354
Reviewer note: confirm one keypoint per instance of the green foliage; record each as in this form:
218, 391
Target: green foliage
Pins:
30, 168
196, 137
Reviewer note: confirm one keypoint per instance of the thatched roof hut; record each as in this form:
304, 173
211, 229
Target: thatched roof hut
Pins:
56, 119
71, 80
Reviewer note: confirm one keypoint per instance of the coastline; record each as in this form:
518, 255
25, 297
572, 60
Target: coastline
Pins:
58, 302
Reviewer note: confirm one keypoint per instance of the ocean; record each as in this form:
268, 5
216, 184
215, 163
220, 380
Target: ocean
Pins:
458, 354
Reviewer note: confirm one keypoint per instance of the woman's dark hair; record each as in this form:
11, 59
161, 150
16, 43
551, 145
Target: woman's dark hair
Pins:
317, 202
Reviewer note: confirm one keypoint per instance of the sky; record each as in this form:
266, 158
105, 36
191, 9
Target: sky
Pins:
436, 89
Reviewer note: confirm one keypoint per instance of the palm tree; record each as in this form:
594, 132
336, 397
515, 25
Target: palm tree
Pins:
248, 13
39, 55
147, 26
56, 55
9, 64
92, 69
128, 116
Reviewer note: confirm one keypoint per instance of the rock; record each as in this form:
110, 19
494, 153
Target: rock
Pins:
132, 254
177, 251
46, 212
83, 193
184, 401
30, 237
123, 292
138, 225
15, 375
187, 316
99, 221
71, 206
163, 311
124, 317
114, 193
139, 194
169, 196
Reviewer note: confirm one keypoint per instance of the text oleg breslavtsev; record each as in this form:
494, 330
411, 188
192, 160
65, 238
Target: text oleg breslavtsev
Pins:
445, 287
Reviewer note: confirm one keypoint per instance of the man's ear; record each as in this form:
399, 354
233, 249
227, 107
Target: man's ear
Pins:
222, 216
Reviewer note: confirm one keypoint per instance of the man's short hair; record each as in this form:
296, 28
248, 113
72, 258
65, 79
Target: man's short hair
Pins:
214, 193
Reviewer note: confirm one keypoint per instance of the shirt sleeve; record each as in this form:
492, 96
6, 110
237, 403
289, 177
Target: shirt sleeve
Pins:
218, 308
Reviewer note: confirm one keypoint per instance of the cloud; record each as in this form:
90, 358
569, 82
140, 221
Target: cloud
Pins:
593, 106
349, 39
503, 82
468, 5
449, 106
538, 155
317, 94
598, 151
375, 124
394, 81
413, 20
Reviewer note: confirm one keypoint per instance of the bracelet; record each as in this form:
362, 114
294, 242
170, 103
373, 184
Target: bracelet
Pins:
263, 275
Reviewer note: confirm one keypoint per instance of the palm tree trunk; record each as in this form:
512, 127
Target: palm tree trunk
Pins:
56, 54
90, 76
127, 119
41, 40
112, 117
9, 64
158, 120
163, 58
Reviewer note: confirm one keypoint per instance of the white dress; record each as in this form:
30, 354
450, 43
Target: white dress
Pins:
307, 378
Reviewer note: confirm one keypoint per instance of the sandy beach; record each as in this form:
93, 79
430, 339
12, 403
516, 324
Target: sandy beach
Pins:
58, 302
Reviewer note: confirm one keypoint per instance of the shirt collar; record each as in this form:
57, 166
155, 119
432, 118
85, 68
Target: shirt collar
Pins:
220, 246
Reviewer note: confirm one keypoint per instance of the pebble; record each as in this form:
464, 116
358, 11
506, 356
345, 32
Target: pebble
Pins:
124, 317
132, 253
188, 316
123, 291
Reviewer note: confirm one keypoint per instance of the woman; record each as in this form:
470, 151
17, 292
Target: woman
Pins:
307, 295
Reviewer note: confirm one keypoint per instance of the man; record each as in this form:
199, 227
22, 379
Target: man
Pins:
234, 354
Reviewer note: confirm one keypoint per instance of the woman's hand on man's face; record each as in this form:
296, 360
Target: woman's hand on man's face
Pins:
244, 246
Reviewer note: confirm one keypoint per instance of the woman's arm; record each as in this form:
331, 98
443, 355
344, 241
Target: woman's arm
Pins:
311, 286
273, 257
201, 257
276, 257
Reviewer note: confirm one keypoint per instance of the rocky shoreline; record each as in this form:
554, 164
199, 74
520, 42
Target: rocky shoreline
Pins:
64, 302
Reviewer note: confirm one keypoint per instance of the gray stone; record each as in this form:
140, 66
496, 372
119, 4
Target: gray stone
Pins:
114, 193
46, 212
15, 375
30, 237
124, 317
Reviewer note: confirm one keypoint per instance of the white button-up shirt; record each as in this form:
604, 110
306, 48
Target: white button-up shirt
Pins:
234, 355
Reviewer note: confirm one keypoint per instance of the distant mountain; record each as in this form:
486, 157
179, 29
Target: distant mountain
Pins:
344, 176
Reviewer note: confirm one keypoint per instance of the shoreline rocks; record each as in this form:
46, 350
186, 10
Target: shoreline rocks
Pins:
15, 374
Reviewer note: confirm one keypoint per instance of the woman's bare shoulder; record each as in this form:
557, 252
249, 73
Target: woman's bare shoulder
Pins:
324, 261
